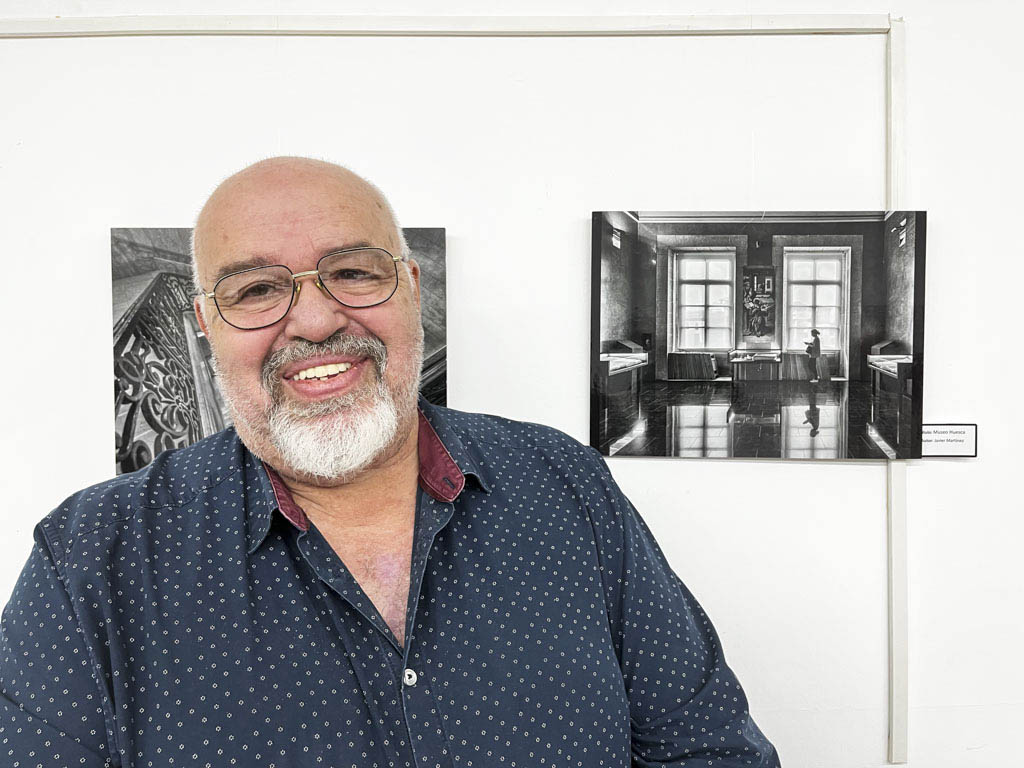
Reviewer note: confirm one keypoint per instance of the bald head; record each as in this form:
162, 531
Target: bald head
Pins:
281, 192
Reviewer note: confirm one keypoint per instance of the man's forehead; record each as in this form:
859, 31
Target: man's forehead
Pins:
307, 203
263, 213
274, 240
291, 221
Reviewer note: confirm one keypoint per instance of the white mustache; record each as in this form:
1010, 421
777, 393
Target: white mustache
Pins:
338, 344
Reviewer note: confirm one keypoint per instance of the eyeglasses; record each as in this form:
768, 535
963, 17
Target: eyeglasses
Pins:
261, 296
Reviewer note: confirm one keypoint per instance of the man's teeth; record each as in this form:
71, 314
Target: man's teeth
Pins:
322, 371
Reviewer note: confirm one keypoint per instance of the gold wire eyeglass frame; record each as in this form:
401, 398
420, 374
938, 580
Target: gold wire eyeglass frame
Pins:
296, 286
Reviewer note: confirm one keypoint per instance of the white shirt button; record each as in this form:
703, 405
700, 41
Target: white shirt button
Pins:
410, 677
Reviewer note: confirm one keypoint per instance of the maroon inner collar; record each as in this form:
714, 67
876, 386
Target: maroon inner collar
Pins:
440, 476
285, 502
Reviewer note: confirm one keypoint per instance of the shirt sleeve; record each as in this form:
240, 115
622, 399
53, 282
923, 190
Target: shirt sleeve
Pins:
686, 706
50, 701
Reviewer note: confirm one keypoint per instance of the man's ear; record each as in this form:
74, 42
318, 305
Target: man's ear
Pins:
199, 315
414, 272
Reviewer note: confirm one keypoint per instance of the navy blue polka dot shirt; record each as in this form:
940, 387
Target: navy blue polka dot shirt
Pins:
188, 615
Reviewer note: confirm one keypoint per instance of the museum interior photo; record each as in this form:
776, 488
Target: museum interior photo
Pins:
758, 335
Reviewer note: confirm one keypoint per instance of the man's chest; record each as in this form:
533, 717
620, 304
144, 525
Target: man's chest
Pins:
381, 567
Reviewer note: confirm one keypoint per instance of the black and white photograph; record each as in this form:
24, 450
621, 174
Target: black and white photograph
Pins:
773, 335
165, 389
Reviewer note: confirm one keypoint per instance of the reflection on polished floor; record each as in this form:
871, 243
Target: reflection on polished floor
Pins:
759, 419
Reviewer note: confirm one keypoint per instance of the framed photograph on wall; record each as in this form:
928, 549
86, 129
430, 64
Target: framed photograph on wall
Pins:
758, 335
165, 388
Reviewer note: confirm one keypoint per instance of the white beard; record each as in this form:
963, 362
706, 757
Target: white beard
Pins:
332, 440
336, 445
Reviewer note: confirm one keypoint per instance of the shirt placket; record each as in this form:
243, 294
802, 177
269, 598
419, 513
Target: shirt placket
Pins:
422, 712
419, 706
383, 704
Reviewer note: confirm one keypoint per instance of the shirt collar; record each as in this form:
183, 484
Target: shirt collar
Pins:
446, 457
445, 463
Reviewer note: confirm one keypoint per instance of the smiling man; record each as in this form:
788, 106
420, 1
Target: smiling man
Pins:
351, 576
318, 344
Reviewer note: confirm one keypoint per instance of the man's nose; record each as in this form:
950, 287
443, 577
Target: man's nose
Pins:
315, 314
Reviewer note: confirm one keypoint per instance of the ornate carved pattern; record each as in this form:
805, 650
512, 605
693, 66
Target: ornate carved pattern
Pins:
153, 375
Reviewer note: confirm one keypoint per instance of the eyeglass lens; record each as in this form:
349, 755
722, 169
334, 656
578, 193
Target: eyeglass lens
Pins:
260, 297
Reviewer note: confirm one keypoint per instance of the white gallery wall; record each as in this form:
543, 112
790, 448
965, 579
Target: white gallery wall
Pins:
510, 144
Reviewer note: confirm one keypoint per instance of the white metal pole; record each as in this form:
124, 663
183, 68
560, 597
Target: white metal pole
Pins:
896, 470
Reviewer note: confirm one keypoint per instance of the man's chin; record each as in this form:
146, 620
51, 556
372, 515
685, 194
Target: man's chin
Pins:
312, 411
330, 441
335, 443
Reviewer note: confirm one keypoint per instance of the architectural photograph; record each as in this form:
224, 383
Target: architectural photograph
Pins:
165, 390
775, 335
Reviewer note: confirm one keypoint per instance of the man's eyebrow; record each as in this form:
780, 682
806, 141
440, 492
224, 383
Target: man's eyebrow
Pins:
264, 261
238, 266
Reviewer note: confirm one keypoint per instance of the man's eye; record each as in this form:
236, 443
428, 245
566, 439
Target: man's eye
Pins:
258, 290
353, 275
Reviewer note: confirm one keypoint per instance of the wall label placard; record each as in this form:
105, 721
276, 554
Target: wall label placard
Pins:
949, 440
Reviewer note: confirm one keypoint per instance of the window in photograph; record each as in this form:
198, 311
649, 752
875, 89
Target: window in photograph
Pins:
815, 291
699, 430
705, 299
